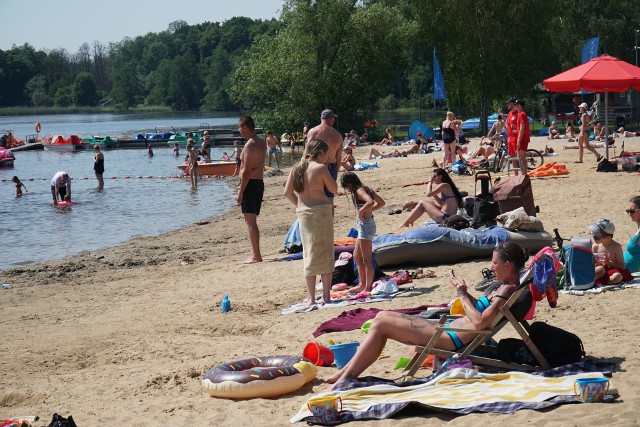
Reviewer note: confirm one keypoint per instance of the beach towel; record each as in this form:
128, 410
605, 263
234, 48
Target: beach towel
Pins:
316, 230
353, 319
461, 391
634, 284
341, 299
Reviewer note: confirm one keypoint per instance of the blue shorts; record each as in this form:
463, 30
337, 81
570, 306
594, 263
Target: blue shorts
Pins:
333, 170
366, 229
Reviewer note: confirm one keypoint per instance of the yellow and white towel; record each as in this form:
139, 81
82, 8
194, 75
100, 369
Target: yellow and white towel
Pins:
459, 388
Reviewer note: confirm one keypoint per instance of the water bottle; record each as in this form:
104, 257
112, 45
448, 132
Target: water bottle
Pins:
226, 304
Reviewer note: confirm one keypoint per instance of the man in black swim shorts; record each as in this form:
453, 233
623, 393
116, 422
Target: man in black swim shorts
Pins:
252, 197
251, 185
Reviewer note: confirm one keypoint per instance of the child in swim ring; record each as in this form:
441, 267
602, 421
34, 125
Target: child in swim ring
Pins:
365, 200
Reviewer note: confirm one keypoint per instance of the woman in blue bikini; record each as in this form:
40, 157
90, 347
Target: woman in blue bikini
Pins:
507, 261
447, 199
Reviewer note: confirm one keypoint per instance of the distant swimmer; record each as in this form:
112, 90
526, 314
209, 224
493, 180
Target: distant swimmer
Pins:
150, 151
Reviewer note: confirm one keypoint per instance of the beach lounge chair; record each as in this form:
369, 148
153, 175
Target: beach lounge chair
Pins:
512, 312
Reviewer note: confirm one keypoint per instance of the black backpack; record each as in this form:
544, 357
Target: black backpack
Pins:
344, 274
558, 346
485, 211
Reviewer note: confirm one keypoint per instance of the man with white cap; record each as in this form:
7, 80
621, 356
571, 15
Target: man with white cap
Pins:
583, 137
326, 132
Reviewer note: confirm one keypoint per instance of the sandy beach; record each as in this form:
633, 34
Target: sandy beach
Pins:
123, 335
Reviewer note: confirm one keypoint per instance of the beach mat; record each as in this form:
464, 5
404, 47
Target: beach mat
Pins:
634, 284
353, 319
340, 299
461, 391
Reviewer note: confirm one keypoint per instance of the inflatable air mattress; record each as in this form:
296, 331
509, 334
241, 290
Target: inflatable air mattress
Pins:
433, 245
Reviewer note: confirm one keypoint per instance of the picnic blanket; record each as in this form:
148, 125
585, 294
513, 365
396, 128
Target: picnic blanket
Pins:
634, 284
353, 319
341, 299
461, 391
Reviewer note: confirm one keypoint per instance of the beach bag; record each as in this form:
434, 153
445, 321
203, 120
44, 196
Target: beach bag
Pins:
459, 168
579, 268
344, 273
629, 163
514, 350
293, 240
514, 192
60, 421
485, 209
606, 166
558, 346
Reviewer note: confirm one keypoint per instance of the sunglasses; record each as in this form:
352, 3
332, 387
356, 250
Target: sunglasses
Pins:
596, 238
631, 211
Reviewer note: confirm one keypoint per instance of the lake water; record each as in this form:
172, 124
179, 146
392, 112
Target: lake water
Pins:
114, 125
33, 230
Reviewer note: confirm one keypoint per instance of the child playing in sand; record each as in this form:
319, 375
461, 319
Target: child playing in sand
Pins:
365, 200
610, 268
19, 186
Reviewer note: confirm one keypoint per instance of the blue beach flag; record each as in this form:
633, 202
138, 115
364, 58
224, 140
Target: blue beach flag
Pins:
590, 49
438, 81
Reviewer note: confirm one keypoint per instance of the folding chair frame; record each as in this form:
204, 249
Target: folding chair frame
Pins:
505, 316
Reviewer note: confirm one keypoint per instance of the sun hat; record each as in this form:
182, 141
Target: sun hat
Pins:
519, 102
583, 105
343, 259
511, 101
603, 225
327, 114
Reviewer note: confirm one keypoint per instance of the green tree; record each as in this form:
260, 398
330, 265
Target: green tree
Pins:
325, 56
83, 90
37, 90
127, 88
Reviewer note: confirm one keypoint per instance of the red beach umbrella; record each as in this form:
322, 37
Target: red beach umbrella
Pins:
602, 74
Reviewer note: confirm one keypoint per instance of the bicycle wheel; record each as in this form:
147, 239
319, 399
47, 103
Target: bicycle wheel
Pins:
534, 159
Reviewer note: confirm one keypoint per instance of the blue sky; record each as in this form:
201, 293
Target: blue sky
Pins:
53, 24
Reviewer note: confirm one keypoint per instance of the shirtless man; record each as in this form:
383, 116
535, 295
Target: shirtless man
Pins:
583, 137
332, 137
272, 148
251, 184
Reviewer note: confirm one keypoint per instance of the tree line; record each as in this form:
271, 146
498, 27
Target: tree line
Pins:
354, 56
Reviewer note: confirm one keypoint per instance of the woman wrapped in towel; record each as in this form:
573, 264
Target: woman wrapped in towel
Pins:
305, 189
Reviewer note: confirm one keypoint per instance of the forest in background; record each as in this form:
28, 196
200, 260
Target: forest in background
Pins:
354, 56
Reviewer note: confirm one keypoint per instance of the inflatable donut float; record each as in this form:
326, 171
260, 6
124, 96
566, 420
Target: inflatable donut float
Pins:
267, 376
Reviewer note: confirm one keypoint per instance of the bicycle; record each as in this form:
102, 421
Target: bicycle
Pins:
533, 157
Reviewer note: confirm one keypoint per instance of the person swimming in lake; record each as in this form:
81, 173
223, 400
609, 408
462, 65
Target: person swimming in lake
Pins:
19, 186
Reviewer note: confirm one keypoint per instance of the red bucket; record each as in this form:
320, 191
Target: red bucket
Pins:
318, 354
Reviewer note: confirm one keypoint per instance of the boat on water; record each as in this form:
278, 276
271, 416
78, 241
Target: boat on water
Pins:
105, 142
7, 158
212, 169
58, 143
